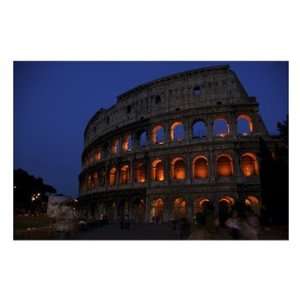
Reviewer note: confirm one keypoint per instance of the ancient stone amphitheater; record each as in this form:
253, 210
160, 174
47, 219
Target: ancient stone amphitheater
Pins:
169, 147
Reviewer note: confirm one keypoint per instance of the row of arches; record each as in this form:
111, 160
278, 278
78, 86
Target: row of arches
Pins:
178, 170
179, 208
221, 128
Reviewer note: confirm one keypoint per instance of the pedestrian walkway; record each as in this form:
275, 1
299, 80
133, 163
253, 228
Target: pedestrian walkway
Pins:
136, 232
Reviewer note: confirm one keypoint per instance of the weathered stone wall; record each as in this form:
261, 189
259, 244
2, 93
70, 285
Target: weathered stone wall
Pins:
205, 94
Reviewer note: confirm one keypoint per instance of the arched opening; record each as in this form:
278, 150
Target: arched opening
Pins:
180, 208
244, 125
140, 172
249, 165
158, 173
224, 165
221, 128
124, 176
200, 167
112, 179
158, 135
157, 210
98, 155
138, 211
199, 130
225, 207
200, 209
95, 180
177, 131
115, 146
142, 138
127, 143
253, 203
178, 168
200, 204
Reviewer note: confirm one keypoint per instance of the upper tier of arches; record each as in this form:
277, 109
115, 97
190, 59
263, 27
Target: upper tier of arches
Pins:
172, 132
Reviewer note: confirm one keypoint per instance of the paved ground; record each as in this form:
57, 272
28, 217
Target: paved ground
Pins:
145, 232
136, 232
165, 232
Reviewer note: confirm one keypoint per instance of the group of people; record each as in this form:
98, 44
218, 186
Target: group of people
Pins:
237, 224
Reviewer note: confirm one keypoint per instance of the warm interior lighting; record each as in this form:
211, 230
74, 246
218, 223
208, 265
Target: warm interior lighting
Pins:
228, 200
200, 167
200, 204
224, 166
249, 164
180, 208
115, 147
98, 155
252, 201
157, 135
126, 145
178, 168
125, 174
112, 176
157, 208
158, 170
140, 172
176, 131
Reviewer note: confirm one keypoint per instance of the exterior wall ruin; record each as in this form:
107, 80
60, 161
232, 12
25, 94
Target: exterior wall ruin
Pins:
204, 94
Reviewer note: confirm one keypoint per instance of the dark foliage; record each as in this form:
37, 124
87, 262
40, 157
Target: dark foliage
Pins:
25, 187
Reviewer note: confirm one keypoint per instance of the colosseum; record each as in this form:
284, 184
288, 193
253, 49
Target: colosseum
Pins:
171, 146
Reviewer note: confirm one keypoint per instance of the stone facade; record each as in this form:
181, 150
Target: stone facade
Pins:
128, 169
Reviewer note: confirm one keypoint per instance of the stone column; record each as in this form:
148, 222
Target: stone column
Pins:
131, 175
147, 209
237, 169
188, 168
190, 208
187, 131
210, 133
212, 165
232, 125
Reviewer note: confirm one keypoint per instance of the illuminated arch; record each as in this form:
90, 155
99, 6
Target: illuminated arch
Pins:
112, 176
98, 155
244, 124
180, 208
158, 135
228, 200
177, 131
124, 174
115, 147
178, 168
157, 209
199, 129
200, 167
158, 173
221, 127
253, 203
140, 172
249, 164
224, 165
95, 180
127, 143
199, 204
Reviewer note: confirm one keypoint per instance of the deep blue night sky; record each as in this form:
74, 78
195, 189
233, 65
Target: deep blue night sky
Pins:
53, 102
